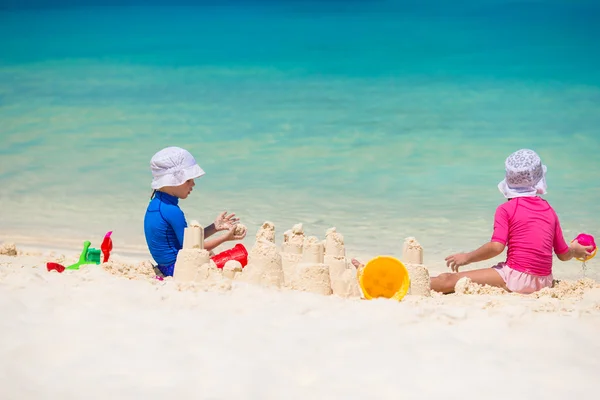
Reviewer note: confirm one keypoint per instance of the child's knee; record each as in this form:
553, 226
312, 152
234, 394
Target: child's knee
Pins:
445, 277
444, 282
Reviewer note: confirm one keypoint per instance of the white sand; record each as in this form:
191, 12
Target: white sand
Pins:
115, 331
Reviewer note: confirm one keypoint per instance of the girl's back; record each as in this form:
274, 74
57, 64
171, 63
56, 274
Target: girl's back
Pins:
531, 229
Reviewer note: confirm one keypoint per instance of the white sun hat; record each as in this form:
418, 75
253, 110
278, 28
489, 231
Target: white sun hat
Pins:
173, 166
525, 175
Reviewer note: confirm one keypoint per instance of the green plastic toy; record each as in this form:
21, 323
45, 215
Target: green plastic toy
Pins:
88, 256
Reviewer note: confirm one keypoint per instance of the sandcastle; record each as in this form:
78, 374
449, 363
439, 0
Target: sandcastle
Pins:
311, 274
412, 257
231, 269
264, 261
291, 251
193, 262
303, 263
342, 274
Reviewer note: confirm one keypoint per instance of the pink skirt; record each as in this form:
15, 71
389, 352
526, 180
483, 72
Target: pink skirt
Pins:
522, 282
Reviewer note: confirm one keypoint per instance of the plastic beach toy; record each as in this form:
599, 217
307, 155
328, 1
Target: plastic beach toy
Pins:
586, 240
55, 267
384, 276
106, 246
83, 257
237, 252
90, 255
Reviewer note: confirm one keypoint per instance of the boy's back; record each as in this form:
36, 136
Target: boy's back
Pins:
164, 224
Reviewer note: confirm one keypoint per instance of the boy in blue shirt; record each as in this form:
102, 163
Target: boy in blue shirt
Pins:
174, 170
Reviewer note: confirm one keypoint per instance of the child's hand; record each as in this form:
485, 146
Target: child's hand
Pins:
581, 251
225, 222
234, 234
457, 260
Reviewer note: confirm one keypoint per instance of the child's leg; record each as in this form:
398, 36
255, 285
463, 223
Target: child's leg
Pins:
445, 282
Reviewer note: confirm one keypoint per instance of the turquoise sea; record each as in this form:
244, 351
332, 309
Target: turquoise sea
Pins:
385, 119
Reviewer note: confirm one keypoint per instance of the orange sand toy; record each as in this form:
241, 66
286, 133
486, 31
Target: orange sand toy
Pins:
384, 276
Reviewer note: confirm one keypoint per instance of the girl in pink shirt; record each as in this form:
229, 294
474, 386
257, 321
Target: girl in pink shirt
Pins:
527, 225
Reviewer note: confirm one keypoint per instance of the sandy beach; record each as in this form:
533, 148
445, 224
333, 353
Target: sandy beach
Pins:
387, 120
115, 330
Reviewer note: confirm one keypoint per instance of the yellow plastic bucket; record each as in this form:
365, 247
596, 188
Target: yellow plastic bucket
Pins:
384, 276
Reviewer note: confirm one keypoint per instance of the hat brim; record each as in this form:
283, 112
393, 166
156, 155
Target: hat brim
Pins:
539, 188
178, 178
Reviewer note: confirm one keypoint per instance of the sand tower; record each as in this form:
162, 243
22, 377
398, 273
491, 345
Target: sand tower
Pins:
311, 274
231, 269
192, 257
291, 251
412, 257
342, 275
264, 261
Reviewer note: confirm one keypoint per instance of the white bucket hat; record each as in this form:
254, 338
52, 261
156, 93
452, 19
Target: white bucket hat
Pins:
173, 166
525, 175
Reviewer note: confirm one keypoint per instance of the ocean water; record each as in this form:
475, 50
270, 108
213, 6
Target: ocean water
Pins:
385, 119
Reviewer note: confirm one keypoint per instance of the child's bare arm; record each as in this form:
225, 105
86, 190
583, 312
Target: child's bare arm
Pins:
209, 231
230, 235
214, 242
575, 250
485, 252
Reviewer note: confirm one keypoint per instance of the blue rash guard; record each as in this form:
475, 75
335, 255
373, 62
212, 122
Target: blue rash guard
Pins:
164, 225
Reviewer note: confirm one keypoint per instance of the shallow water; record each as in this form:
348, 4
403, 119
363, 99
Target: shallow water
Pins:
384, 120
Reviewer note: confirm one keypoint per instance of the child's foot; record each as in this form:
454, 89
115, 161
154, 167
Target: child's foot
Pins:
357, 264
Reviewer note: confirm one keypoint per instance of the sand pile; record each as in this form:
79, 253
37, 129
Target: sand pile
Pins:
568, 289
8, 249
142, 270
210, 280
467, 286
562, 290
